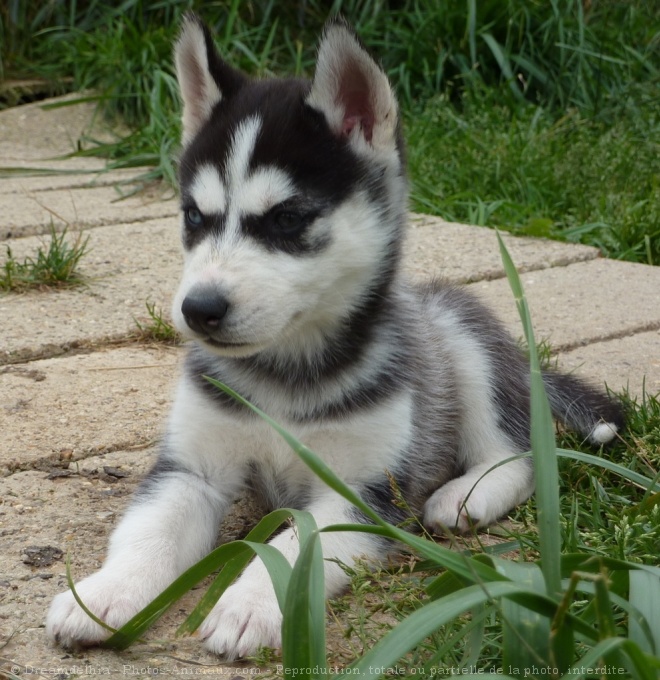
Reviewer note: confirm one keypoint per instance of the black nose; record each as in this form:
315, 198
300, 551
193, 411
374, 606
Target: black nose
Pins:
204, 312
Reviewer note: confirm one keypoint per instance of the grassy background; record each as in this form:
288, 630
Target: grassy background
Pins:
541, 117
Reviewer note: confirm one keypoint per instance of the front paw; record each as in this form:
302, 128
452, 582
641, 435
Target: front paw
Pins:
246, 618
458, 507
110, 597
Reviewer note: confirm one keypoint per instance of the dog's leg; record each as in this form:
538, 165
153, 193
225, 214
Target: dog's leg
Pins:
171, 523
460, 504
169, 526
248, 617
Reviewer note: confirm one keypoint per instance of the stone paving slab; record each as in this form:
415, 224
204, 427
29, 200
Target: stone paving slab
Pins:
631, 362
33, 131
582, 304
464, 254
81, 511
77, 208
126, 266
67, 408
115, 249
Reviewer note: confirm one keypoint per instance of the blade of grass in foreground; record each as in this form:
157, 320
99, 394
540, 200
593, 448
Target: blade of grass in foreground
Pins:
593, 564
553, 645
643, 636
632, 476
638, 665
645, 597
525, 633
273, 559
544, 447
303, 626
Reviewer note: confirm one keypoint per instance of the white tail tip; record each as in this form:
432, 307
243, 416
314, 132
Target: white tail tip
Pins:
603, 433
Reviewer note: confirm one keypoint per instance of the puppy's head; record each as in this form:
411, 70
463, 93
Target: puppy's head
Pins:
292, 195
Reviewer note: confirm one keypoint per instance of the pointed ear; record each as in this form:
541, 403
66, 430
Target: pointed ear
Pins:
204, 78
352, 91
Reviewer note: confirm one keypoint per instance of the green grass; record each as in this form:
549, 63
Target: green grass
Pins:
54, 265
155, 327
538, 117
572, 178
600, 514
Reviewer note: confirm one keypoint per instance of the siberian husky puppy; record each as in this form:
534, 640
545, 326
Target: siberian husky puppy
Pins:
293, 208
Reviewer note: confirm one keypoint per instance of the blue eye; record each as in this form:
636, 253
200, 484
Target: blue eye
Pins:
288, 222
194, 218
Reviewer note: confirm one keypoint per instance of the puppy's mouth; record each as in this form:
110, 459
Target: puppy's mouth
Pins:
230, 349
225, 345
222, 344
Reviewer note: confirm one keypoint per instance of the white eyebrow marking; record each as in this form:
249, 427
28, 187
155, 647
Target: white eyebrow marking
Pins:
264, 188
242, 148
208, 191
237, 168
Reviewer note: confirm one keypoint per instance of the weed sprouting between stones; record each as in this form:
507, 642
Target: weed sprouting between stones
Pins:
156, 327
54, 265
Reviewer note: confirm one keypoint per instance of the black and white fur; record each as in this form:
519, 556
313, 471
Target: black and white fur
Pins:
294, 205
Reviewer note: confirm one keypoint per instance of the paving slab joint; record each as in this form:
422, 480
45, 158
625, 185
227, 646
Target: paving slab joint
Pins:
625, 333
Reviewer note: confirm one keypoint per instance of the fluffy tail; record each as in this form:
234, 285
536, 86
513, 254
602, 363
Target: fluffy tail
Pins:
583, 408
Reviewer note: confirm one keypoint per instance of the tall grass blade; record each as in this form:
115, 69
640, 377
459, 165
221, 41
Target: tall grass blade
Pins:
278, 568
544, 448
643, 635
526, 634
590, 53
630, 475
639, 665
303, 628
474, 631
645, 597
317, 600
594, 564
264, 57
503, 63
472, 31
